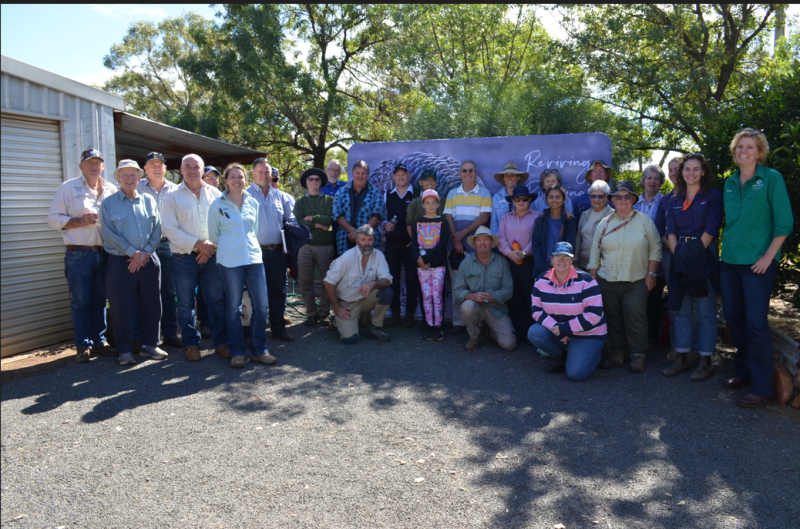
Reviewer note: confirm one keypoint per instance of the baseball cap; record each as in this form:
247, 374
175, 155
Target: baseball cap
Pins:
91, 153
400, 166
275, 172
154, 156
563, 248
210, 169
430, 193
427, 173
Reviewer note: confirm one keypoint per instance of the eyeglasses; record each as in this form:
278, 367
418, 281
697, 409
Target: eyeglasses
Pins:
555, 197
310, 179
598, 197
622, 197
468, 170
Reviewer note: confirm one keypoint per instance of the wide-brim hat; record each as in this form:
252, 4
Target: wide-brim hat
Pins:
323, 176
125, 164
483, 231
609, 170
512, 168
521, 191
624, 185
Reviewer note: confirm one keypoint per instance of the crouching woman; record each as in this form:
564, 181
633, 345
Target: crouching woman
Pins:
568, 315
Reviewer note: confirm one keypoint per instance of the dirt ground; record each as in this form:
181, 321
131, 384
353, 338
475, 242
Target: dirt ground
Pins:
783, 316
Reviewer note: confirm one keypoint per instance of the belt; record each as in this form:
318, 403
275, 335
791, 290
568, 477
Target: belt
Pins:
164, 239
685, 239
272, 247
73, 248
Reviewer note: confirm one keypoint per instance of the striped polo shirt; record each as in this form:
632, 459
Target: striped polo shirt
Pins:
465, 207
576, 305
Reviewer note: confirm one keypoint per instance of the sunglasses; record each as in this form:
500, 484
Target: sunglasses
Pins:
622, 197
597, 197
275, 179
312, 179
468, 170
521, 199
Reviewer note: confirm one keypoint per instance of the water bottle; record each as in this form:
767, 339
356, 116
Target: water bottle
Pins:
517, 248
394, 223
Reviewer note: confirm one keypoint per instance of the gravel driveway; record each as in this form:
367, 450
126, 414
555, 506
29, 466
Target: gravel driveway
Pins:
404, 434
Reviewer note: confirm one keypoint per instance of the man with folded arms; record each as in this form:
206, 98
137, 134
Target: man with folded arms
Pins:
157, 186
131, 233
185, 223
274, 210
75, 212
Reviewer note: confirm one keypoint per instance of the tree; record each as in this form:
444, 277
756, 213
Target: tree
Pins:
675, 67
154, 80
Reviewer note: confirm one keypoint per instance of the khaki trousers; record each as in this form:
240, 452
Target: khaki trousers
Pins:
308, 258
348, 328
501, 329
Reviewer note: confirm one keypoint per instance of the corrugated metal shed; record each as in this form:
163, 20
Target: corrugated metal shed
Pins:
135, 137
47, 120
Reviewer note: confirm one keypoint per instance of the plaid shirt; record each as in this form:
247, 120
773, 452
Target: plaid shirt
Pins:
372, 205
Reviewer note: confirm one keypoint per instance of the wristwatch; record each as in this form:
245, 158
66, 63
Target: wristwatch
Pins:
652, 274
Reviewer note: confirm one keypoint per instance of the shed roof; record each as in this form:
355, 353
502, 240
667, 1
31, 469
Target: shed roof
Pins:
136, 136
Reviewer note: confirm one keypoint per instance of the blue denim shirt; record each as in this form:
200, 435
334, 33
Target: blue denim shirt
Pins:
234, 231
274, 210
500, 206
130, 225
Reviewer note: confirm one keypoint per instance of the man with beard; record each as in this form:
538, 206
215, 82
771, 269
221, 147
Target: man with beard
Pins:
358, 282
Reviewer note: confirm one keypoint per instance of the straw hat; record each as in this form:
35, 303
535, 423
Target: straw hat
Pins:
483, 231
512, 168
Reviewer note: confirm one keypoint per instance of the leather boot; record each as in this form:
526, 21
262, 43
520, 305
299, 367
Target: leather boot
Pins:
680, 365
704, 369
637, 364
619, 357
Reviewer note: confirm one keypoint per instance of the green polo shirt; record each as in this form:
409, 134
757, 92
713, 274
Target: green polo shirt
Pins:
755, 214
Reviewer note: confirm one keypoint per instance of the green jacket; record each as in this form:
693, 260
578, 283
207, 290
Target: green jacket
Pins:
320, 207
494, 278
755, 214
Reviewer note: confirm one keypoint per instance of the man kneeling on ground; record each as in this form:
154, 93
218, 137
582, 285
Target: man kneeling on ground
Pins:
358, 282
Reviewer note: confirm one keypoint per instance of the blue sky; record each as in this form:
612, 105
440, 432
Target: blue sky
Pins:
71, 40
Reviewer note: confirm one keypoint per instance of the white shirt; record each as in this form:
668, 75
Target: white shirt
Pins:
75, 199
346, 274
185, 217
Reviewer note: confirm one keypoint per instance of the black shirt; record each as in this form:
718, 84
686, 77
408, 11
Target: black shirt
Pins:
397, 206
434, 235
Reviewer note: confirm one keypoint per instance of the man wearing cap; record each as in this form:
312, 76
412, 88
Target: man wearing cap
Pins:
131, 233
481, 290
211, 176
274, 210
357, 283
467, 207
314, 210
185, 221
75, 212
509, 178
398, 246
157, 186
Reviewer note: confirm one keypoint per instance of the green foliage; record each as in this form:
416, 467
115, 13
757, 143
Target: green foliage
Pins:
772, 106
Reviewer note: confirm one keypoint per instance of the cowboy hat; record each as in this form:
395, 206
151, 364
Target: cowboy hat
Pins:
323, 177
483, 231
512, 168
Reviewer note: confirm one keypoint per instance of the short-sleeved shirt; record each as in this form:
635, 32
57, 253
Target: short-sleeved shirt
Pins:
755, 213
465, 207
74, 199
346, 274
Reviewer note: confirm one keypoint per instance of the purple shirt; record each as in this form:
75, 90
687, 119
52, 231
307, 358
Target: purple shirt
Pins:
512, 228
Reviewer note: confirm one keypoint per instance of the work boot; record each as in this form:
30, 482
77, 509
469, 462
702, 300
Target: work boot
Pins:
704, 369
82, 357
392, 321
266, 359
238, 362
376, 334
472, 344
680, 365
193, 354
672, 355
618, 356
223, 351
637, 364
557, 364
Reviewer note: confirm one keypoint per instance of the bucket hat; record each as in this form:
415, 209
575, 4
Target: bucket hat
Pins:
624, 185
124, 164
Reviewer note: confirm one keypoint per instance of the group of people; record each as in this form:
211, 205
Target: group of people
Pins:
580, 280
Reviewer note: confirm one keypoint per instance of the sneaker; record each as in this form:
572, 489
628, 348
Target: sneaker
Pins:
205, 332
82, 356
472, 344
637, 364
392, 321
680, 365
426, 334
704, 369
436, 334
193, 354
239, 361
458, 329
266, 359
376, 334
153, 352
223, 351
175, 342
619, 357
104, 349
126, 359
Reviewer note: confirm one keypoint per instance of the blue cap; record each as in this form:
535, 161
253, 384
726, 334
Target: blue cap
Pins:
399, 166
210, 169
91, 153
275, 172
154, 156
563, 248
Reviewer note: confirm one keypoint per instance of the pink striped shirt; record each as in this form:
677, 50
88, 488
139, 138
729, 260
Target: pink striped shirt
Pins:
576, 305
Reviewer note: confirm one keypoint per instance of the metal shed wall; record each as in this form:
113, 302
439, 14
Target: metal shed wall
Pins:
47, 120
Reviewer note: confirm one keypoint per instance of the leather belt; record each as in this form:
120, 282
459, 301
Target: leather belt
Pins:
73, 248
686, 239
272, 247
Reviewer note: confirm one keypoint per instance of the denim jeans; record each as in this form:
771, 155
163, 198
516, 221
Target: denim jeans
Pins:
86, 278
275, 264
132, 294
745, 301
583, 353
188, 275
169, 319
234, 280
696, 312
